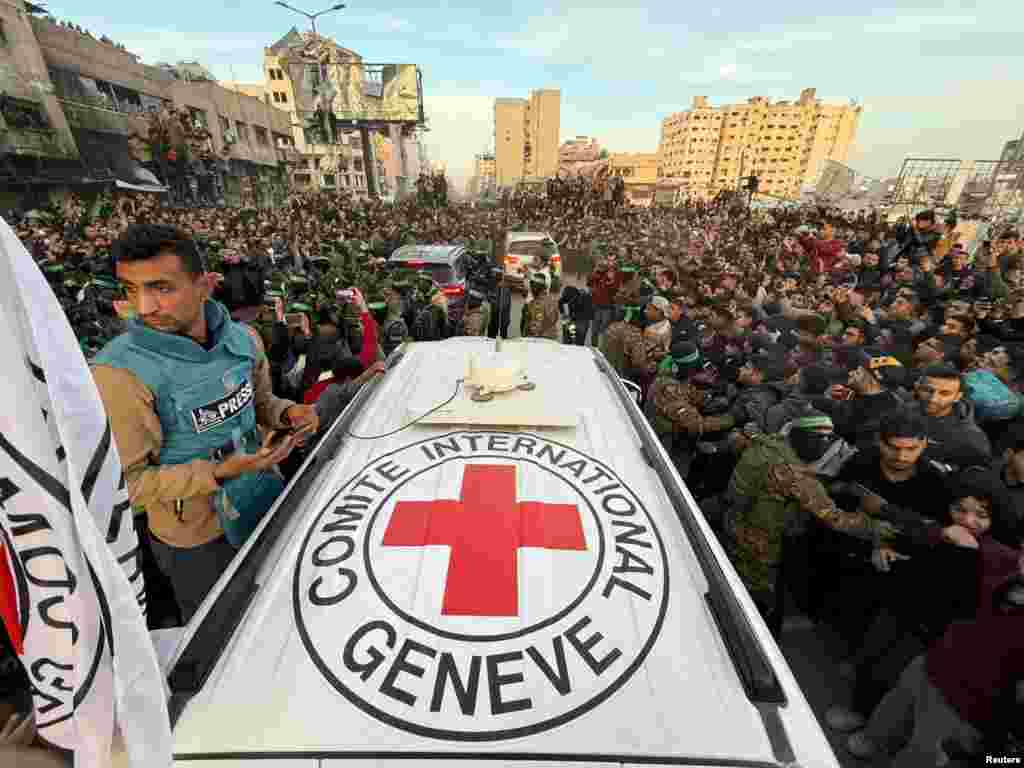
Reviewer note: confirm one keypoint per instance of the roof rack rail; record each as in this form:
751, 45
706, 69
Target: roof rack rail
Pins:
745, 649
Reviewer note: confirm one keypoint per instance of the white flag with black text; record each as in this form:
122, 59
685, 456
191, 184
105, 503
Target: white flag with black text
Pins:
73, 566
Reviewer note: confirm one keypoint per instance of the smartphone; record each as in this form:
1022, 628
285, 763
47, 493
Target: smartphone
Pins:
277, 437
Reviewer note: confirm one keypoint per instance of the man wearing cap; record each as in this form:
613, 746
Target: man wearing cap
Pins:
541, 315
859, 408
658, 332
642, 354
773, 494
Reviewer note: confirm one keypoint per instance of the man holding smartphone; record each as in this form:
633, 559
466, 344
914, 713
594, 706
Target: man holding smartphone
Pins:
187, 390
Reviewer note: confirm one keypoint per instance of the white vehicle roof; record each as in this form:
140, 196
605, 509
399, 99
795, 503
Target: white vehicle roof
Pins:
504, 595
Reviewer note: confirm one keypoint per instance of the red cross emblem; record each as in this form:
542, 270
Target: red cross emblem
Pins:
485, 530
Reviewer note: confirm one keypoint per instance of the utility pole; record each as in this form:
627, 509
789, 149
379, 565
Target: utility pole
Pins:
368, 161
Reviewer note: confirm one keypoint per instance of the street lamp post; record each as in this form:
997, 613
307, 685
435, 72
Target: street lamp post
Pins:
311, 16
312, 22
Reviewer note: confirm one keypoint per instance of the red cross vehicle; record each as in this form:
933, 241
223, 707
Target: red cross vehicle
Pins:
522, 581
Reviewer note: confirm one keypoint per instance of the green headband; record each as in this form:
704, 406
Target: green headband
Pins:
813, 422
670, 365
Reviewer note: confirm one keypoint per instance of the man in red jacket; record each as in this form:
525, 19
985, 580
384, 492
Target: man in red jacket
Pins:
604, 282
823, 253
368, 355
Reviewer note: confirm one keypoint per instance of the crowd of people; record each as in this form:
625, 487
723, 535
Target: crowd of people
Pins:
842, 394
844, 399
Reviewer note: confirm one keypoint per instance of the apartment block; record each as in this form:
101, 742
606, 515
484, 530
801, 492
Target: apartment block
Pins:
483, 181
526, 136
639, 172
785, 144
290, 79
79, 104
288, 85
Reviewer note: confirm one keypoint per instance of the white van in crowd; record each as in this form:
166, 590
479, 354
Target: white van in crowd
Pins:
489, 560
526, 252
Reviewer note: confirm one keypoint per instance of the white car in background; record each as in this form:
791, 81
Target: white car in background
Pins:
527, 252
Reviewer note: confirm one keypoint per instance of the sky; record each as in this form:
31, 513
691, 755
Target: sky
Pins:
935, 80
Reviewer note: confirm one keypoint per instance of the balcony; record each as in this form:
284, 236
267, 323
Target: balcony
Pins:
26, 130
91, 117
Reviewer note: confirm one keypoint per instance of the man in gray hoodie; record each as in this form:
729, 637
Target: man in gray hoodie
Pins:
954, 438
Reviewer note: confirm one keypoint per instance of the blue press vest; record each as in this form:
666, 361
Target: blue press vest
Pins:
205, 400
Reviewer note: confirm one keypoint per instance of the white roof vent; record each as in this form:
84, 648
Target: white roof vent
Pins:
501, 389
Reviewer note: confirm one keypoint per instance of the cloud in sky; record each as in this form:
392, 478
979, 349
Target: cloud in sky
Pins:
461, 126
895, 127
880, 27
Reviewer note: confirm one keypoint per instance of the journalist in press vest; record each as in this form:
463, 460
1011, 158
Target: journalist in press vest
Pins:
198, 429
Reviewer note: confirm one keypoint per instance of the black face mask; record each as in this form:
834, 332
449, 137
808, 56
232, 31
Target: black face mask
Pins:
809, 445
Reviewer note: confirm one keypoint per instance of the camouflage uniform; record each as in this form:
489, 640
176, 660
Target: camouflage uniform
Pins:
675, 407
623, 342
476, 321
659, 336
541, 318
773, 495
622, 338
642, 355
